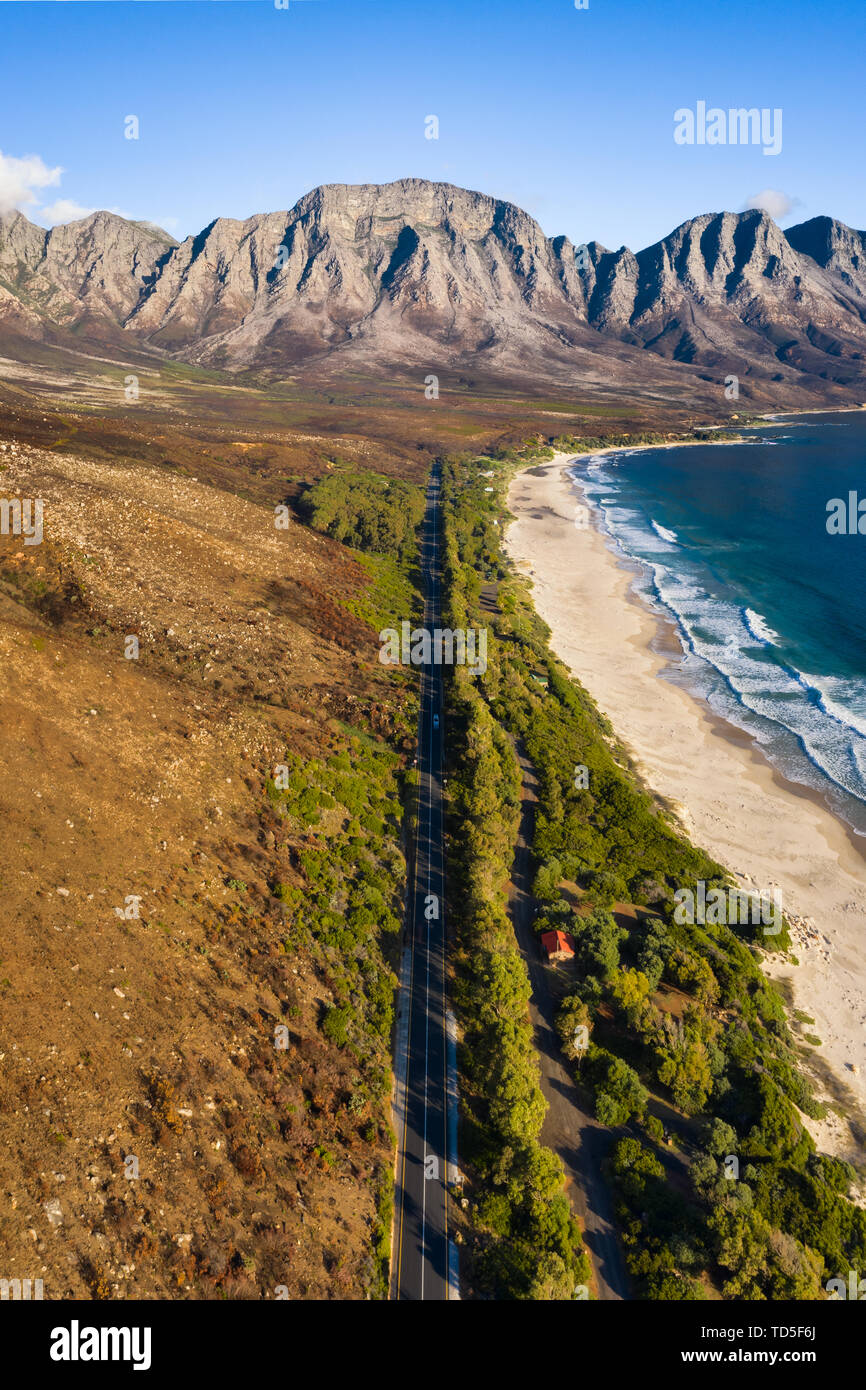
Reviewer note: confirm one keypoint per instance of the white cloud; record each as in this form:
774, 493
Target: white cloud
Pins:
20, 177
773, 202
67, 210
21, 182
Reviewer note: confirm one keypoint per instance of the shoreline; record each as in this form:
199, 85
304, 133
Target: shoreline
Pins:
818, 410
727, 796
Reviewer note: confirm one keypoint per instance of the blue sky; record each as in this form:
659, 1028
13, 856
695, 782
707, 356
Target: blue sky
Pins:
243, 107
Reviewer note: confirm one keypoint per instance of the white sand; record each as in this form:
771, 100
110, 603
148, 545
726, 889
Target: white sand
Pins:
729, 799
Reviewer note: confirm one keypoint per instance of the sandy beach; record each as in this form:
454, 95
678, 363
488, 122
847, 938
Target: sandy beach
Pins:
729, 799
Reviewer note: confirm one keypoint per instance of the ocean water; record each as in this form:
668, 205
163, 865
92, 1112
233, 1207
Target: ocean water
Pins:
731, 541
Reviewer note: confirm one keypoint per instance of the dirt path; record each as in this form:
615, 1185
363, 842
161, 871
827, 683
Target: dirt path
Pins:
569, 1129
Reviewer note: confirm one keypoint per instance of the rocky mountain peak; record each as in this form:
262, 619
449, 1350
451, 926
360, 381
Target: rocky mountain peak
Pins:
415, 271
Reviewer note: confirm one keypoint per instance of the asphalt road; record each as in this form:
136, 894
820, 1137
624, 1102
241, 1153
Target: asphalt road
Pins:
420, 1259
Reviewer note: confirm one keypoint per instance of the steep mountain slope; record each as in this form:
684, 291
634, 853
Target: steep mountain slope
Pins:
838, 249
734, 286
414, 273
154, 895
409, 263
98, 266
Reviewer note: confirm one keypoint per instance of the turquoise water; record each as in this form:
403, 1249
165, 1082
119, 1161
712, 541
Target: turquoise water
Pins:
731, 540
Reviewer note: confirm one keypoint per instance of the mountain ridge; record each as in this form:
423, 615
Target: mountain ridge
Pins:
414, 272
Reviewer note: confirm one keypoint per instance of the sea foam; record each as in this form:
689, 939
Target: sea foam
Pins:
803, 721
759, 627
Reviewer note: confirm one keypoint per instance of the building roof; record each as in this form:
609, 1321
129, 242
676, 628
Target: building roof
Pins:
554, 941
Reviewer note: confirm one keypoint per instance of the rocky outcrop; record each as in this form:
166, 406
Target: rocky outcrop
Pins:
418, 272
735, 284
836, 248
100, 265
405, 261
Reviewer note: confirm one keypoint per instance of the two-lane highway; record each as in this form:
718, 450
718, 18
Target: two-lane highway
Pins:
420, 1258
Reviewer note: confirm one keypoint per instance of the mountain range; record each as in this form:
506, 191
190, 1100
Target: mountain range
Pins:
418, 275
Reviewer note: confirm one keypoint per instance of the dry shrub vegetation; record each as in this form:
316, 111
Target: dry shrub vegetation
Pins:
151, 1037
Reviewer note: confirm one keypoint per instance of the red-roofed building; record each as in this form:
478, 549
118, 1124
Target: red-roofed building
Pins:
558, 945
